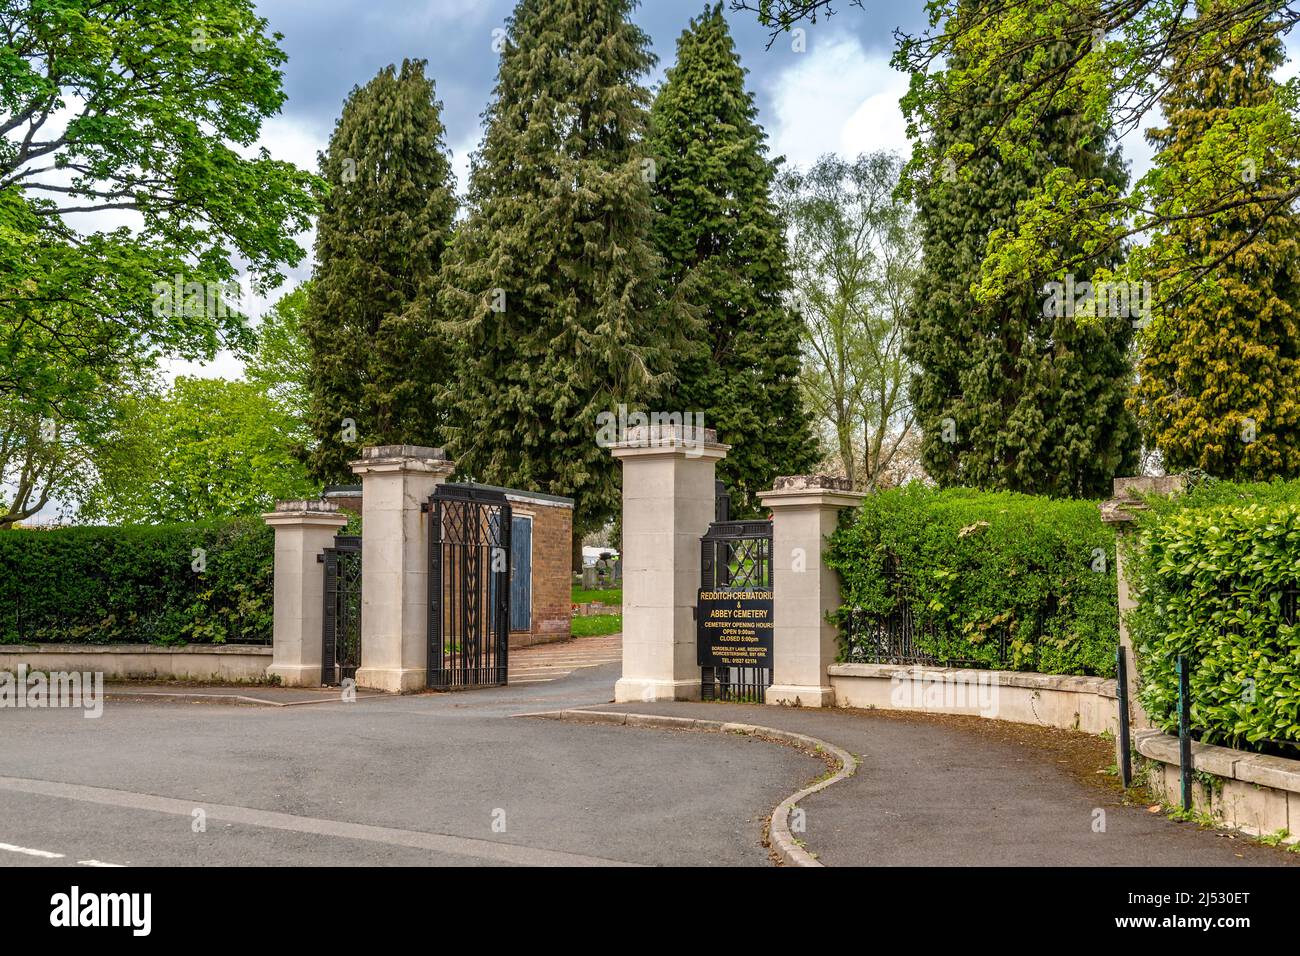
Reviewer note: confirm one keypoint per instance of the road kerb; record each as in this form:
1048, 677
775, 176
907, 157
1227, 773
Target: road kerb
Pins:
782, 839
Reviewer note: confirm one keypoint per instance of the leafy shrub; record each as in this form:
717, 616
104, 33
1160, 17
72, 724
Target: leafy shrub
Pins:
1002, 579
1216, 573
136, 584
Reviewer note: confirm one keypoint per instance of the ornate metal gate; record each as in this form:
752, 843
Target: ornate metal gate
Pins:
469, 587
341, 634
736, 556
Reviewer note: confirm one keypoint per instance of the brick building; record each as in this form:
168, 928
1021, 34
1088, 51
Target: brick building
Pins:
541, 536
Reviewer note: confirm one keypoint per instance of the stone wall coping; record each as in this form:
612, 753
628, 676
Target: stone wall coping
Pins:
1279, 773
1069, 683
258, 649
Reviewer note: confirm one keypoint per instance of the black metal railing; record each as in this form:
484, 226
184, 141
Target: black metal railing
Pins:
894, 637
341, 625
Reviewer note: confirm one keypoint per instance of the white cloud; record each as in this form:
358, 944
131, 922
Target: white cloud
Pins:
837, 98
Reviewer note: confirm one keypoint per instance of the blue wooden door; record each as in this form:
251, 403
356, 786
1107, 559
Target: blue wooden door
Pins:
521, 574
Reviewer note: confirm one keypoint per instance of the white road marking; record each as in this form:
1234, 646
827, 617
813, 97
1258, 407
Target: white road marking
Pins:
509, 853
97, 863
28, 851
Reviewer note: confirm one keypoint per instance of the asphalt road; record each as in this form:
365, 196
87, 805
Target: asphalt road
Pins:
449, 779
467, 779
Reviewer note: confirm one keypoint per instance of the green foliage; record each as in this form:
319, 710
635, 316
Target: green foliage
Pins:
854, 252
138, 105
376, 356
1219, 380
1209, 574
1119, 58
596, 625
977, 567
1010, 396
207, 448
552, 280
280, 366
146, 107
136, 585
718, 233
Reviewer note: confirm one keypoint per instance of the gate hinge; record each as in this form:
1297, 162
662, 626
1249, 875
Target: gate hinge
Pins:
320, 558
424, 507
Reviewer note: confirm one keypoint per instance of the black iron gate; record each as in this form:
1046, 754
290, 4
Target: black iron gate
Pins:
341, 634
469, 587
735, 556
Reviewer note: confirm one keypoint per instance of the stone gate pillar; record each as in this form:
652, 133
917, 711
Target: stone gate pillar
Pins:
303, 529
396, 480
805, 510
668, 500
1120, 513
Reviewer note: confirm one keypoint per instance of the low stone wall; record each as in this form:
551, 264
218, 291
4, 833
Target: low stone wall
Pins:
1252, 792
224, 662
1072, 703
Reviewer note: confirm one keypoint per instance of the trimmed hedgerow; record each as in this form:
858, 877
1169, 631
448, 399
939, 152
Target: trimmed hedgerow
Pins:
1006, 580
1216, 576
138, 585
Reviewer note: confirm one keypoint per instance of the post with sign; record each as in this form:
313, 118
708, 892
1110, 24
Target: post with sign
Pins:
734, 628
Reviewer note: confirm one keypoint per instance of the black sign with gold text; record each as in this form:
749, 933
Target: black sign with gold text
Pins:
733, 628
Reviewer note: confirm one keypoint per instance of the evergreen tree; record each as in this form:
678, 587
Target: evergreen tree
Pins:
1219, 378
551, 279
376, 361
1008, 395
719, 235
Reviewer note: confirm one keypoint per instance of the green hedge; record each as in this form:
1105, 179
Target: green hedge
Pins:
136, 584
983, 570
1215, 575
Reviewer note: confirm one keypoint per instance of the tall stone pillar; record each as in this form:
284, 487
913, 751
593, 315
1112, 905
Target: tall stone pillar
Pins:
396, 480
805, 510
1120, 513
303, 529
668, 499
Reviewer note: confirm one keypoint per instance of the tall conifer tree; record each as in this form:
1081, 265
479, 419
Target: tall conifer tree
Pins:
720, 236
1219, 379
376, 360
551, 279
1010, 397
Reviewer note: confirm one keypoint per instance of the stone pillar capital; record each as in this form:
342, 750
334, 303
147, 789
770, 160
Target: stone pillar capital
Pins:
402, 459
1123, 509
305, 514
811, 491
670, 441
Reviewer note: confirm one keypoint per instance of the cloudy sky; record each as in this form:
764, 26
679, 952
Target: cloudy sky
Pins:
838, 94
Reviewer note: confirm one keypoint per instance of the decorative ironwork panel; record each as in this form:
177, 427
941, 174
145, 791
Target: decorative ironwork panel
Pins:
469, 587
341, 633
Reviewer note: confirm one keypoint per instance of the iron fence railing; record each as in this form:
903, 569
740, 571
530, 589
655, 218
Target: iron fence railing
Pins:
895, 637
